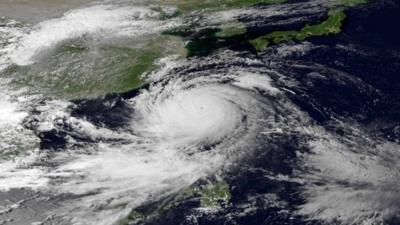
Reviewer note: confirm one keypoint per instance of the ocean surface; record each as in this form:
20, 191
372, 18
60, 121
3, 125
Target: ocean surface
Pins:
303, 132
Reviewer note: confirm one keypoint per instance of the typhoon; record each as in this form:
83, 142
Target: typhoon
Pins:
199, 112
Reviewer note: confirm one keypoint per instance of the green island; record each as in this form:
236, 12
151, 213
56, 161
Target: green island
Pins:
134, 216
231, 30
330, 26
215, 195
237, 33
352, 3
212, 196
21, 148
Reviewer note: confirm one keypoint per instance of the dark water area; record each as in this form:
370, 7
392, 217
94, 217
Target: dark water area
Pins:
377, 28
203, 42
353, 76
110, 111
249, 186
366, 53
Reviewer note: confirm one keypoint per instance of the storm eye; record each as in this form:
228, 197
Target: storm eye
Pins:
202, 114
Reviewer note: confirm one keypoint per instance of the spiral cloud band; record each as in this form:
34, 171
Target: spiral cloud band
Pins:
180, 130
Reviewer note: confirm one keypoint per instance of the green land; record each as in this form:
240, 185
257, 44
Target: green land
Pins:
353, 2
132, 217
231, 30
330, 26
214, 195
211, 196
76, 70
186, 6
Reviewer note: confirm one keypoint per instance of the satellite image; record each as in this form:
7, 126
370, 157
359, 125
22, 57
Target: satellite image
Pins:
199, 112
